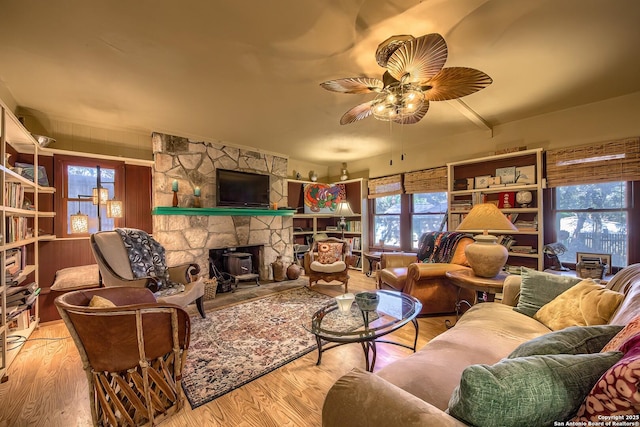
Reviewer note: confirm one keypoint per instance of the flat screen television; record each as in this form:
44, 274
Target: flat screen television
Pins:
242, 189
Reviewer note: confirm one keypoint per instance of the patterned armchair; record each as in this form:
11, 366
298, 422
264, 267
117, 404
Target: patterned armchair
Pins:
173, 285
328, 260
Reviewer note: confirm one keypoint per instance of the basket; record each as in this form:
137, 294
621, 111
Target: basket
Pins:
210, 288
590, 271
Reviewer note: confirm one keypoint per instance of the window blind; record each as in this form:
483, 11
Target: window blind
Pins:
426, 181
385, 186
588, 164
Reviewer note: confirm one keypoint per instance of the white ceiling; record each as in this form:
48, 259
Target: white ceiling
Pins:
248, 71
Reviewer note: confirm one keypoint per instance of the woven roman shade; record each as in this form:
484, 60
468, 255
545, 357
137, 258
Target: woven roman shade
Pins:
587, 164
385, 186
426, 181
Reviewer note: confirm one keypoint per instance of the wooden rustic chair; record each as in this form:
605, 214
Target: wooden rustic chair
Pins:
132, 352
328, 260
115, 270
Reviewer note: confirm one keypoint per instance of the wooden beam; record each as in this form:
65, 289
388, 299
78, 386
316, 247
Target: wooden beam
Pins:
463, 108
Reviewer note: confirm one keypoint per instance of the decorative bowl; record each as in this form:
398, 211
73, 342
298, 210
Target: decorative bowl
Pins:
367, 301
344, 302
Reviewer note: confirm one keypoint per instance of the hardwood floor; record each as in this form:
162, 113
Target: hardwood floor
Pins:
47, 386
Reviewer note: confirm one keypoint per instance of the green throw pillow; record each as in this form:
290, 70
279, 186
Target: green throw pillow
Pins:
571, 340
539, 288
527, 391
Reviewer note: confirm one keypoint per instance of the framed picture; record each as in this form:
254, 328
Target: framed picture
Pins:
507, 175
322, 198
507, 200
526, 174
28, 171
604, 258
494, 180
482, 181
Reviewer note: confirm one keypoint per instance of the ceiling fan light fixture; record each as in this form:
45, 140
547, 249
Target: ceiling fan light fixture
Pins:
397, 102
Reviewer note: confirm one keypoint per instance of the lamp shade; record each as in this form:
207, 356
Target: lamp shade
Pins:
114, 209
343, 209
104, 196
486, 216
79, 223
485, 256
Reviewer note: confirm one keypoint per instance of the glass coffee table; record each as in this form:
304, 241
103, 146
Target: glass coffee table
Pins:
394, 310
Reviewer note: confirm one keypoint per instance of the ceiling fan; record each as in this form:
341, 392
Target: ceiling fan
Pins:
414, 76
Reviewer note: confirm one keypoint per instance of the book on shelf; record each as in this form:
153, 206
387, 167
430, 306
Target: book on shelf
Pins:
16, 229
522, 249
354, 226
354, 243
14, 194
506, 241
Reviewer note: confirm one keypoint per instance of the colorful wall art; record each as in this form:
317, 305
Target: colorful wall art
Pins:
322, 198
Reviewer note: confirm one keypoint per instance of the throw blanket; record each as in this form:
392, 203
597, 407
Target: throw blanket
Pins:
438, 246
146, 257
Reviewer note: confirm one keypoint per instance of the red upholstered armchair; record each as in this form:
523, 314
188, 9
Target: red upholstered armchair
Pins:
427, 280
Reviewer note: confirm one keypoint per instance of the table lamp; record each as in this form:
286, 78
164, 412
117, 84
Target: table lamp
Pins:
343, 210
485, 256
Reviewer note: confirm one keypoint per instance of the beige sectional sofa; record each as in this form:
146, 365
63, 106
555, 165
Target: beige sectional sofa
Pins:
416, 390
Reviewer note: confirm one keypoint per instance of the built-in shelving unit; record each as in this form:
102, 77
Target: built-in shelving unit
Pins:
506, 180
306, 225
19, 237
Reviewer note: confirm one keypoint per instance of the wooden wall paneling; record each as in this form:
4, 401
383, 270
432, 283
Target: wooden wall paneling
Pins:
56, 255
138, 204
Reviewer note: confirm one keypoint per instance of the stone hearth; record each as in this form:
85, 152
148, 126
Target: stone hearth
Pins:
188, 238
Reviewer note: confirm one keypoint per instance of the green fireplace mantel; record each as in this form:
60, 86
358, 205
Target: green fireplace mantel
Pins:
168, 210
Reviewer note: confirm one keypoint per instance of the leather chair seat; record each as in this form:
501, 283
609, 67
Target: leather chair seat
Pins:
426, 281
394, 278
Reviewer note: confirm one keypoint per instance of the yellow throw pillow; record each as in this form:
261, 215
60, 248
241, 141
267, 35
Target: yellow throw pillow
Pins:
585, 304
100, 302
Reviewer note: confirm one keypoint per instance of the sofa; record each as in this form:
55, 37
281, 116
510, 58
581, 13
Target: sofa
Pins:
418, 390
422, 275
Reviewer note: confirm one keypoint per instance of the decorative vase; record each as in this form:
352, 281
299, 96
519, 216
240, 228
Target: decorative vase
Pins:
293, 272
367, 301
524, 198
278, 269
344, 302
313, 176
485, 256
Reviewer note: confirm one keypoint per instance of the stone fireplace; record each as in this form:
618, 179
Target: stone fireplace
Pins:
188, 236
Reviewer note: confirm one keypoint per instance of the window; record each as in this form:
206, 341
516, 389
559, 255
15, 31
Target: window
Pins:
593, 218
386, 220
78, 178
428, 213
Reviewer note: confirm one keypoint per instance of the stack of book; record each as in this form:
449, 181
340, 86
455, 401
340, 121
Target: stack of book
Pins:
21, 298
461, 205
14, 263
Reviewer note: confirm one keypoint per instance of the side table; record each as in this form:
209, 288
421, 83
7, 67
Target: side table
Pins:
374, 262
465, 279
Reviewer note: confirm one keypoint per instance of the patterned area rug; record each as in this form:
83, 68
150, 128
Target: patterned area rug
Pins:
238, 344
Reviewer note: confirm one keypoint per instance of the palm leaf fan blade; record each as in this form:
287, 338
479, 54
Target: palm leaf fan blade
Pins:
421, 58
456, 82
354, 85
359, 112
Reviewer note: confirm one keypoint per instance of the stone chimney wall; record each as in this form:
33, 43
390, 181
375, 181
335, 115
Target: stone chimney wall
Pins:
188, 238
